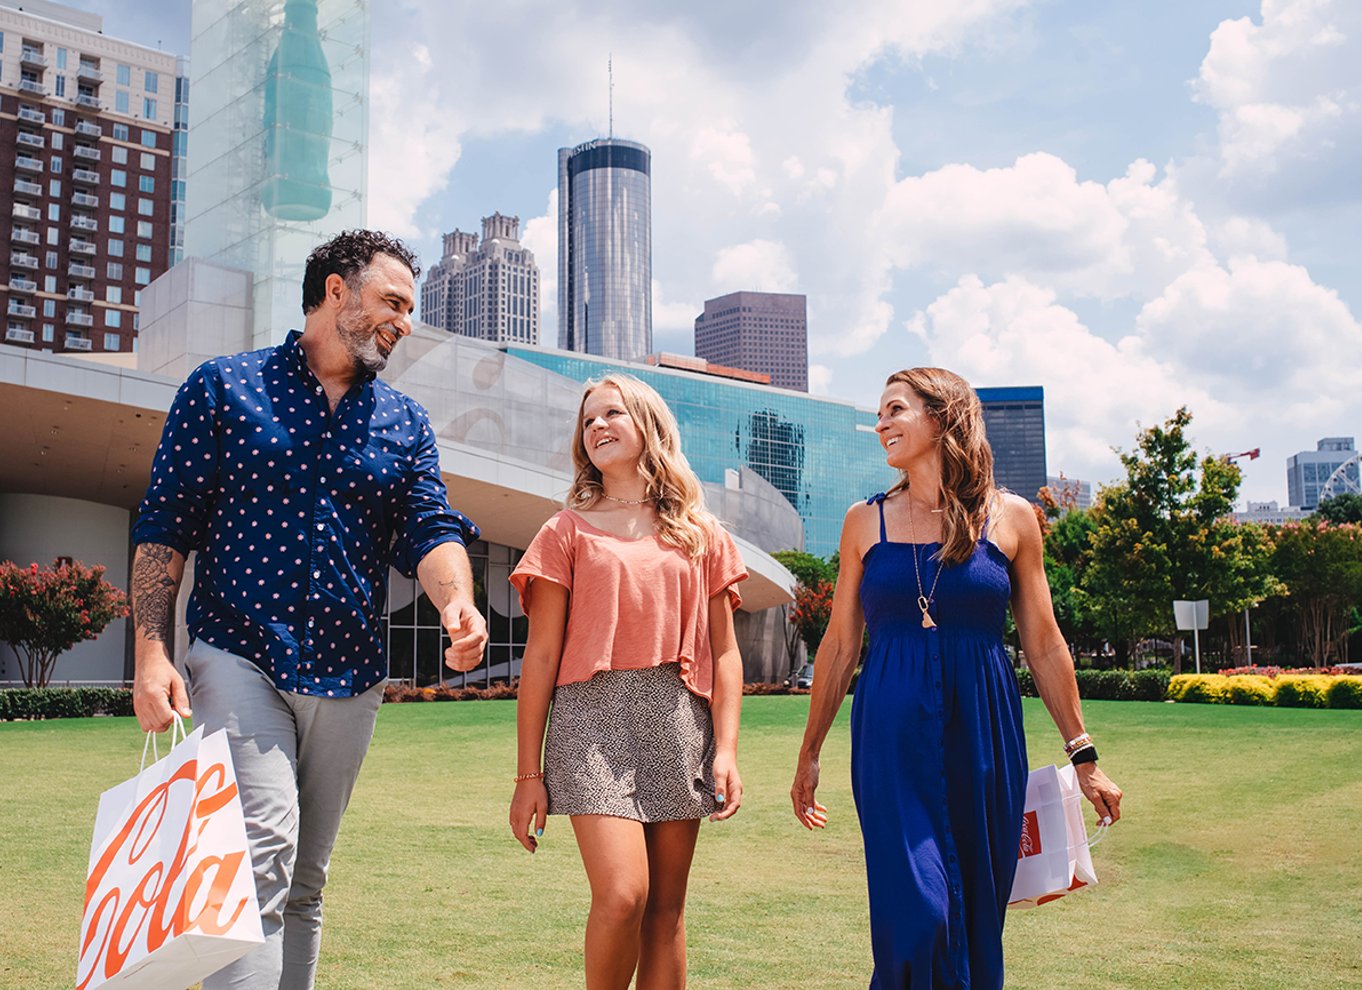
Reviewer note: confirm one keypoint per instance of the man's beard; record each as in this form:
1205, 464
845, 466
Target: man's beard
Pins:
360, 340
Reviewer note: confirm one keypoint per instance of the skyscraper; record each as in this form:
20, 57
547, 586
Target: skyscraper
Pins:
488, 290
1014, 419
757, 331
85, 137
605, 274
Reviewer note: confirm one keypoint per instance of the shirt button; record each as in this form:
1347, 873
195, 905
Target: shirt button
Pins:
312, 621
317, 574
321, 527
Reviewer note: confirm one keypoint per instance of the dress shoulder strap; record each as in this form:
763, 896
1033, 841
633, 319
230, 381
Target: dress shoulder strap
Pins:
878, 501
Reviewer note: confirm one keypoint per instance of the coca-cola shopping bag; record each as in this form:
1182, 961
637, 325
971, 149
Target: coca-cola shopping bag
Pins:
1053, 857
169, 896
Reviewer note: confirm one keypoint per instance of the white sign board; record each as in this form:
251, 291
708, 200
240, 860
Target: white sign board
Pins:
1192, 615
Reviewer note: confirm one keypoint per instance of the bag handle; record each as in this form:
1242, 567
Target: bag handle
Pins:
176, 725
1097, 835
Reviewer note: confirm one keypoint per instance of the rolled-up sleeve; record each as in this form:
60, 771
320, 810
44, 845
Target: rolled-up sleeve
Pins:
184, 474
426, 519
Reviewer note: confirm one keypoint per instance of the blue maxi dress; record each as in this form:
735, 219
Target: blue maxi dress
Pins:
938, 766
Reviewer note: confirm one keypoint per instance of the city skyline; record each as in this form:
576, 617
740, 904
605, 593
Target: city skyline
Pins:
1134, 209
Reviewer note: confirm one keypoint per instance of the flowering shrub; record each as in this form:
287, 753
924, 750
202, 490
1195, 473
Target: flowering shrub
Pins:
1308, 691
1279, 671
406, 693
44, 612
810, 612
1286, 691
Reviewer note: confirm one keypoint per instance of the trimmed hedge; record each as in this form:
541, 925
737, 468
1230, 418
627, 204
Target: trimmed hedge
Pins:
1285, 691
60, 702
1109, 685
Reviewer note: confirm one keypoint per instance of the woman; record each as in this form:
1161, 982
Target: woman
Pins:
630, 593
938, 760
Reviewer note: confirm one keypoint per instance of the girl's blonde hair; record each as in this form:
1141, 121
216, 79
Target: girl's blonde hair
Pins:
682, 519
966, 458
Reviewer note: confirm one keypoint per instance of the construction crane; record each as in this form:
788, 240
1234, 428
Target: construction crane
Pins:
1250, 454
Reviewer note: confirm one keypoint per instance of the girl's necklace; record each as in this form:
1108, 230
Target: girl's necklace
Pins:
628, 501
924, 602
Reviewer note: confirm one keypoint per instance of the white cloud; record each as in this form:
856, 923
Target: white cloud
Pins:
728, 157
759, 265
541, 237
820, 379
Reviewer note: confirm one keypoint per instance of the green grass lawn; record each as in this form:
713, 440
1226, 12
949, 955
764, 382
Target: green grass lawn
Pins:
1236, 866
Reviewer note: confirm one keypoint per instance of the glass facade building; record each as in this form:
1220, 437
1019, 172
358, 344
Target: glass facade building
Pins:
605, 249
1015, 421
1309, 471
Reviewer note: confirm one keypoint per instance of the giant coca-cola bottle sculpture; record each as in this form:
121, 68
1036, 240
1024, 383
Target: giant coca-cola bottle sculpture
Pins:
297, 120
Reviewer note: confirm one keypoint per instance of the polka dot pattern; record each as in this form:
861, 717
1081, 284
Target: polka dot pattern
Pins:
296, 513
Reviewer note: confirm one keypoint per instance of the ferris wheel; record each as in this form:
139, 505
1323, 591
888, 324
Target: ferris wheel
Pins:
1346, 479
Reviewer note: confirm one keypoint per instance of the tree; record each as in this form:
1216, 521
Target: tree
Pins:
1320, 564
45, 612
812, 608
1345, 508
1166, 533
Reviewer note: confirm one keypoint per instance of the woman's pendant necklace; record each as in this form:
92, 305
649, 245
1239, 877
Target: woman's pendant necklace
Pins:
924, 602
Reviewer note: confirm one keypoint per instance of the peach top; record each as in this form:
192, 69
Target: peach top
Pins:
634, 603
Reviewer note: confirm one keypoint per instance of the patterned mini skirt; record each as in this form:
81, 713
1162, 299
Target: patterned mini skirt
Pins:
630, 744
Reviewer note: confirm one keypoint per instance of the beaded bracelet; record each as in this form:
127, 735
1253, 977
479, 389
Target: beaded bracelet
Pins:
521, 777
1084, 754
1077, 743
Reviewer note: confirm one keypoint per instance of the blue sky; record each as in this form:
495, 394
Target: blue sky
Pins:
1137, 206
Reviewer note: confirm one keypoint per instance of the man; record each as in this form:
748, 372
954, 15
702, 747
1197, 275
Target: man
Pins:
298, 477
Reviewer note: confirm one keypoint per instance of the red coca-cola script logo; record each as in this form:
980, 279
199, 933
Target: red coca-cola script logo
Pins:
1030, 837
135, 900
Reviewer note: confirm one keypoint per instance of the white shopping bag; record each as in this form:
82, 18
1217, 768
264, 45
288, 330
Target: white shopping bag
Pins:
1052, 857
169, 894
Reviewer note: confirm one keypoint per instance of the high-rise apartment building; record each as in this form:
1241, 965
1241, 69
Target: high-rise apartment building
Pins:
766, 332
1014, 420
1308, 471
605, 269
488, 290
86, 165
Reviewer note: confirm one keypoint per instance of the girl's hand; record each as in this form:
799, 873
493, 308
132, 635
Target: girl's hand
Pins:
727, 788
529, 809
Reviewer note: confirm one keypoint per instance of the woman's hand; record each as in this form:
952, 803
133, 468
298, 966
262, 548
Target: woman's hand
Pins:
1101, 791
727, 788
529, 809
810, 813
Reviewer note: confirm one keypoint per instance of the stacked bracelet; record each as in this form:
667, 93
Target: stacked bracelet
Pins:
521, 777
1084, 754
1076, 743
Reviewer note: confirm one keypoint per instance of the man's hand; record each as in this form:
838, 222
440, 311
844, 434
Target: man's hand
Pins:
467, 633
158, 695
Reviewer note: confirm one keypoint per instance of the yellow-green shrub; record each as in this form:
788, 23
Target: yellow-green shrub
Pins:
1303, 691
1345, 692
1199, 688
1249, 689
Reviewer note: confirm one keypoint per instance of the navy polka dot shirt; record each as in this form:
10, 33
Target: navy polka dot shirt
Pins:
296, 513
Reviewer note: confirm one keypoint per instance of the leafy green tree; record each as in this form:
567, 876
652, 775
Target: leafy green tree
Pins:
807, 617
1320, 565
1165, 533
44, 612
1345, 508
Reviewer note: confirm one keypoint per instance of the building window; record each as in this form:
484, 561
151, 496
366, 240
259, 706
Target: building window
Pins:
54, 211
146, 184
49, 331
115, 247
49, 307
53, 235
49, 283
119, 178
115, 225
120, 101
148, 137
58, 116
51, 259
149, 109
145, 206
144, 229
114, 293
115, 271
123, 75
113, 317
54, 188
58, 139
152, 81
113, 342
61, 86
56, 164
118, 155
117, 201
144, 252
148, 161
120, 132
142, 276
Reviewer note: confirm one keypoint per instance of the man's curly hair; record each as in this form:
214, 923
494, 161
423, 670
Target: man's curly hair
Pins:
348, 254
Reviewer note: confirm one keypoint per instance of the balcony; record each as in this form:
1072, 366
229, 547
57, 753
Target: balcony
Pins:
32, 86
86, 152
25, 188
32, 140
90, 72
17, 283
27, 212
24, 236
86, 100
85, 175
18, 335
83, 247
79, 319
31, 56
75, 343
84, 223
28, 164
84, 199
78, 294
75, 270
19, 260
88, 129
19, 309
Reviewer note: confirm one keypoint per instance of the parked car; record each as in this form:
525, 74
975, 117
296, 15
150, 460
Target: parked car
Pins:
801, 678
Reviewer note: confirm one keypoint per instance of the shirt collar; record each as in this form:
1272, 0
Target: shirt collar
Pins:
293, 352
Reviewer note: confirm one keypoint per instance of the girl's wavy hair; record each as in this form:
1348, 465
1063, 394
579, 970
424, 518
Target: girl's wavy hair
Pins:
682, 519
966, 457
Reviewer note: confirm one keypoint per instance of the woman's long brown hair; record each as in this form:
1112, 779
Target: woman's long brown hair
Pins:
966, 458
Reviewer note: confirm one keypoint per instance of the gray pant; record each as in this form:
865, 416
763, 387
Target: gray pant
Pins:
297, 757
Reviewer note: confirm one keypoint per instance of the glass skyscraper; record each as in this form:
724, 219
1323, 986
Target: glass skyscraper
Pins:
605, 249
1014, 418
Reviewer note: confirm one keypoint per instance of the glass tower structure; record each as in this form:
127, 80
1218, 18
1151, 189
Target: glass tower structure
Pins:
1014, 419
605, 249
277, 142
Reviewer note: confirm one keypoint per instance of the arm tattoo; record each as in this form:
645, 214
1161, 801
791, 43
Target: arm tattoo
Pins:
154, 592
